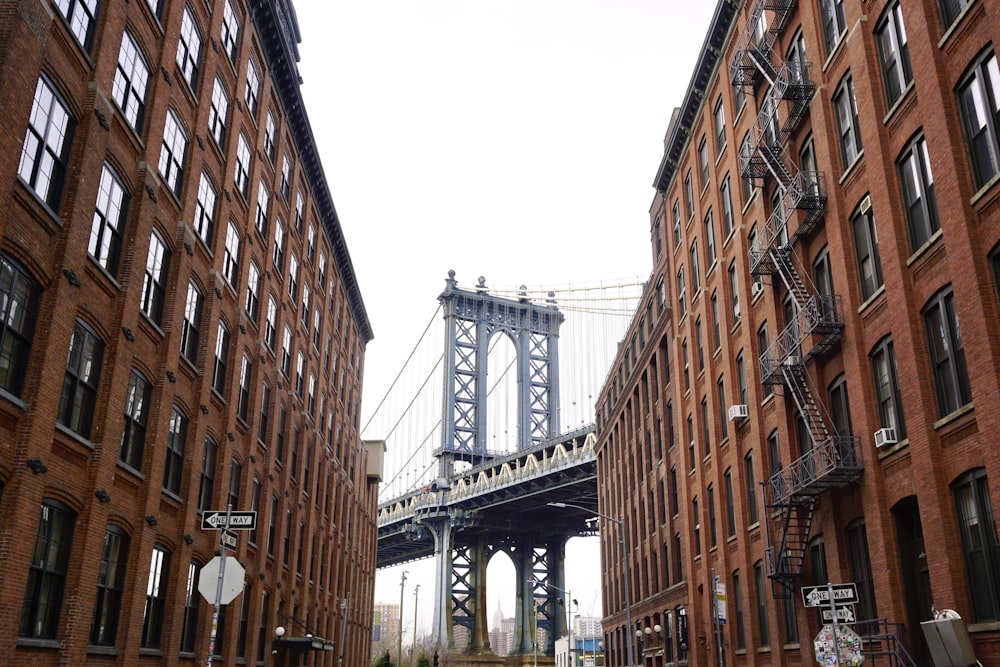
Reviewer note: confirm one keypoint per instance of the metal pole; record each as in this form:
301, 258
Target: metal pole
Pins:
399, 647
218, 588
343, 627
716, 618
413, 646
833, 610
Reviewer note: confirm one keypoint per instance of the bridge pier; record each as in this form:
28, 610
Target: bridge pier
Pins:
439, 526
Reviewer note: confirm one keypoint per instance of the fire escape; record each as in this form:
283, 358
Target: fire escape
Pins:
790, 494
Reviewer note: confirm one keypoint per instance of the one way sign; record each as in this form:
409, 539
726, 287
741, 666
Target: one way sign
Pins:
845, 614
237, 520
817, 596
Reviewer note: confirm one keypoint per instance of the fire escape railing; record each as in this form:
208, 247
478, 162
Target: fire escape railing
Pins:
832, 460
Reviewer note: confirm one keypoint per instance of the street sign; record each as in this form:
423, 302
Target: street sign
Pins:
720, 602
232, 580
817, 596
845, 614
227, 539
237, 520
842, 647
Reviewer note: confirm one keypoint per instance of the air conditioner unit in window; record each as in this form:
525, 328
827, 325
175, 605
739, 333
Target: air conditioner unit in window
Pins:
885, 437
736, 310
793, 360
756, 288
738, 412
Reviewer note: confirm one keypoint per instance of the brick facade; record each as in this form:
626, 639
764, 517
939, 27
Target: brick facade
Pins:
112, 439
908, 521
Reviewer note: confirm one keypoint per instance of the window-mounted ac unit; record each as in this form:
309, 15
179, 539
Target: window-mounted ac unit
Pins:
793, 360
738, 412
756, 288
736, 310
885, 437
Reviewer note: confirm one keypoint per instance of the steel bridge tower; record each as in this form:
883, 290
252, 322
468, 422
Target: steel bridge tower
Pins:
464, 544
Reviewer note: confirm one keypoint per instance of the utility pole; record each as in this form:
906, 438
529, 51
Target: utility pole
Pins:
399, 647
413, 646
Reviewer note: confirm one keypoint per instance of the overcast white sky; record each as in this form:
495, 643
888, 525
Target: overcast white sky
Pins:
514, 139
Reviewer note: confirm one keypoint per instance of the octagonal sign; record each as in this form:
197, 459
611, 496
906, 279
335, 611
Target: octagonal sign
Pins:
232, 580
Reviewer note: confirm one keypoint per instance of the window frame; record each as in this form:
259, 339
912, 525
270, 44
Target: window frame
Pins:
916, 184
845, 108
131, 82
82, 374
952, 386
189, 44
975, 91
43, 165
20, 296
894, 53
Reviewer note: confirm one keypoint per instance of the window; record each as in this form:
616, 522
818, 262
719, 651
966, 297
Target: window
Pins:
221, 359
951, 10
254, 507
110, 585
700, 348
807, 166
230, 31
43, 594
834, 23
253, 292
861, 570
241, 175
176, 437
192, 322
866, 249
265, 412
171, 163
823, 272
696, 519
304, 311
746, 152
695, 271
217, 112
83, 373
271, 323
734, 292
45, 153
263, 205
188, 48
681, 294
727, 207
687, 368
980, 106
677, 224
231, 256
311, 243
894, 54
241, 629
817, 561
154, 281
131, 79
299, 211
846, 110
720, 386
271, 525
720, 126
658, 234
286, 351
204, 210
262, 630
710, 239
136, 416
206, 485
761, 597
269, 131
79, 15
279, 245
293, 278
155, 7
730, 504
153, 616
688, 194
980, 547
192, 599
703, 162
252, 93
716, 328
300, 363
286, 177
751, 481
917, 183
944, 338
19, 296
243, 403
890, 401
311, 404
737, 594
741, 378
235, 476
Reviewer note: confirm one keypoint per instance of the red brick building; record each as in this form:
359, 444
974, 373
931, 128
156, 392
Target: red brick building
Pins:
808, 390
181, 330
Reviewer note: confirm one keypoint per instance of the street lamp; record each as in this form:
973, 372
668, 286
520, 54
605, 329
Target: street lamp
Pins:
628, 595
569, 618
399, 648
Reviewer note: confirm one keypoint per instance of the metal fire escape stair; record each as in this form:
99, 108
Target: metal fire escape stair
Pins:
790, 494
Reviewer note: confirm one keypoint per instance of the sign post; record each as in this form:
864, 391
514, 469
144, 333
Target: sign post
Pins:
834, 644
719, 607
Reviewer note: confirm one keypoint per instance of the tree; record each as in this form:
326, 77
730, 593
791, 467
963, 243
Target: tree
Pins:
383, 661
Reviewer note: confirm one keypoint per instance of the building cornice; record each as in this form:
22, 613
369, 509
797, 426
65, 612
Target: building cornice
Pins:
279, 34
682, 124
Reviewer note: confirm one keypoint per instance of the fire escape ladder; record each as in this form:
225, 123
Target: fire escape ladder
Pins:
751, 59
785, 563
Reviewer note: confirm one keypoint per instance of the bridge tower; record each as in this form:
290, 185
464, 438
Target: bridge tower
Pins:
472, 318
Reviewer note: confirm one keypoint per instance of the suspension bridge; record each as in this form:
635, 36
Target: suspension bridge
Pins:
486, 424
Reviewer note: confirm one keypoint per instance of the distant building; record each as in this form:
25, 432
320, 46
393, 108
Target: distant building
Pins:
181, 330
808, 391
385, 629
